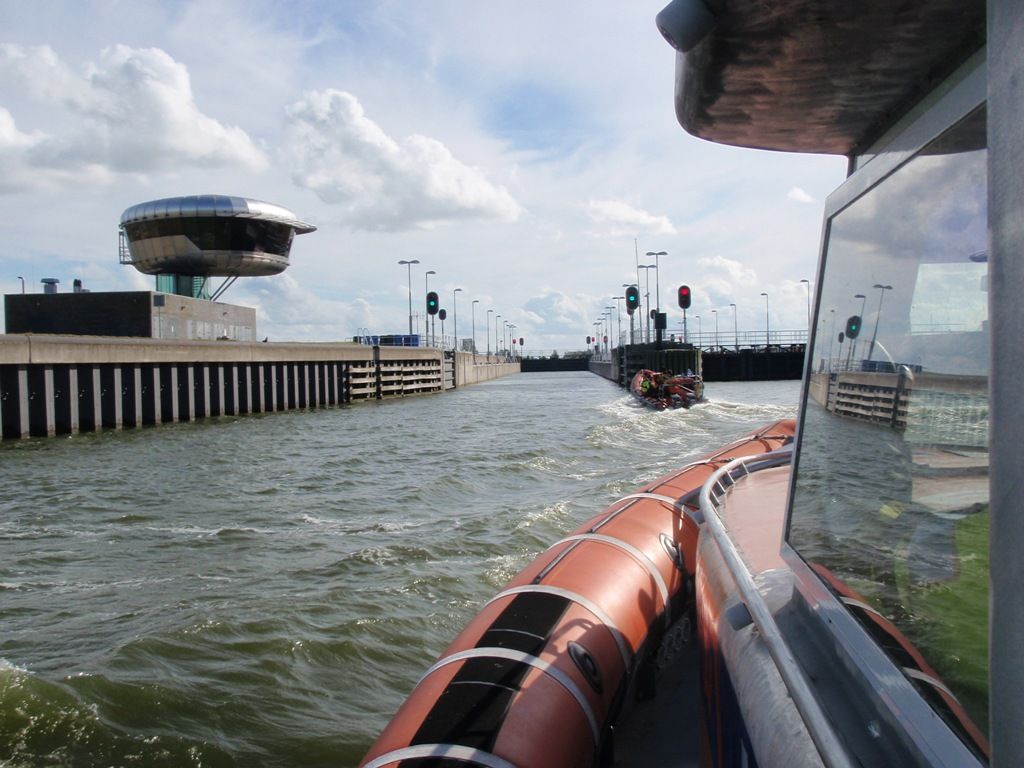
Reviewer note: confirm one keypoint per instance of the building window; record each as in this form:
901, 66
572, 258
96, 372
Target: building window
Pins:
219, 234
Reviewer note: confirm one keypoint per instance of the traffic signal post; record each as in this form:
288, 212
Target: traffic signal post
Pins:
632, 303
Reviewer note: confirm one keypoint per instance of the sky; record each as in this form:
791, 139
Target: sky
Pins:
525, 151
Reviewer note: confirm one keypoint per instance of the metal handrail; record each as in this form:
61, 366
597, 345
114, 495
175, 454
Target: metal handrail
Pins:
832, 752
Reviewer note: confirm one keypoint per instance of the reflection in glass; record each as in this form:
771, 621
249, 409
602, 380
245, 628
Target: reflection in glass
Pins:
220, 234
891, 492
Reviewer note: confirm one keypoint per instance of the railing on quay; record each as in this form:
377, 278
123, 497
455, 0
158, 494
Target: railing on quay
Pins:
725, 341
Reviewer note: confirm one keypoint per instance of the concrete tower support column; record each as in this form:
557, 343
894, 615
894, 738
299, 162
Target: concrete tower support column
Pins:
261, 383
136, 392
74, 423
190, 385
236, 395
23, 422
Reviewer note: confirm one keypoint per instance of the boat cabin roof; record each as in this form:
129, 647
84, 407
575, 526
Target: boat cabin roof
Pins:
819, 75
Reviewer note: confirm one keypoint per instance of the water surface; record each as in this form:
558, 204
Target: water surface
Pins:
266, 590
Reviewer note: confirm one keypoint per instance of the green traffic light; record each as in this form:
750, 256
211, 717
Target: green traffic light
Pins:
853, 326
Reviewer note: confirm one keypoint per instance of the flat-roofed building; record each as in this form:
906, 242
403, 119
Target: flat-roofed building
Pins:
145, 314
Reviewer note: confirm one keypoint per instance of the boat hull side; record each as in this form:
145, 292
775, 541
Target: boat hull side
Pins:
542, 672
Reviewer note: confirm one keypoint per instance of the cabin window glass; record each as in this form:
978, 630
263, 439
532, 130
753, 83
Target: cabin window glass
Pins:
219, 234
890, 502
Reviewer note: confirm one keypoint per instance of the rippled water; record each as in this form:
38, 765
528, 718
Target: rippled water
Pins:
266, 590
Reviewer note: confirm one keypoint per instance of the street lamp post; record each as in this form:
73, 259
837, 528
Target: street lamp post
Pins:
647, 296
455, 319
831, 338
472, 310
409, 265
512, 333
489, 311
497, 351
715, 313
618, 315
657, 273
807, 284
878, 317
767, 327
735, 328
23, 285
700, 332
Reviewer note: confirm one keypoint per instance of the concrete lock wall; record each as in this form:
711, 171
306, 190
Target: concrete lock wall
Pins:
52, 385
472, 369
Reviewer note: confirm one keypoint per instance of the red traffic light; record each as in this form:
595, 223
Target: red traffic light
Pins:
606, 338
684, 297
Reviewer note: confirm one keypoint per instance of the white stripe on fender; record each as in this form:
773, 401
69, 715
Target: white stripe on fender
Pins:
450, 751
673, 503
637, 555
524, 658
583, 601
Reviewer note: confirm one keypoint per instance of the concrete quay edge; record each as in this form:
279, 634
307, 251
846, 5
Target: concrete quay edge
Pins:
40, 349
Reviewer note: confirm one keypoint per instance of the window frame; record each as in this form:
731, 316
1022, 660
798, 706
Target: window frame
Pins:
866, 671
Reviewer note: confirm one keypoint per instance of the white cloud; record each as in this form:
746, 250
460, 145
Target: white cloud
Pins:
41, 73
723, 279
798, 195
287, 309
132, 112
735, 273
18, 171
381, 184
622, 219
13, 140
557, 312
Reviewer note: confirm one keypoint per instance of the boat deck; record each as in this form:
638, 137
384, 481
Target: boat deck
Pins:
663, 731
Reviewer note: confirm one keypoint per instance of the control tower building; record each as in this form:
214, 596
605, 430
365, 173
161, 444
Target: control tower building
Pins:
185, 241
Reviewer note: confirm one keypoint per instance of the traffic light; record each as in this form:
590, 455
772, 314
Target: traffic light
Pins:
632, 299
606, 338
443, 314
684, 297
588, 341
852, 326
432, 305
